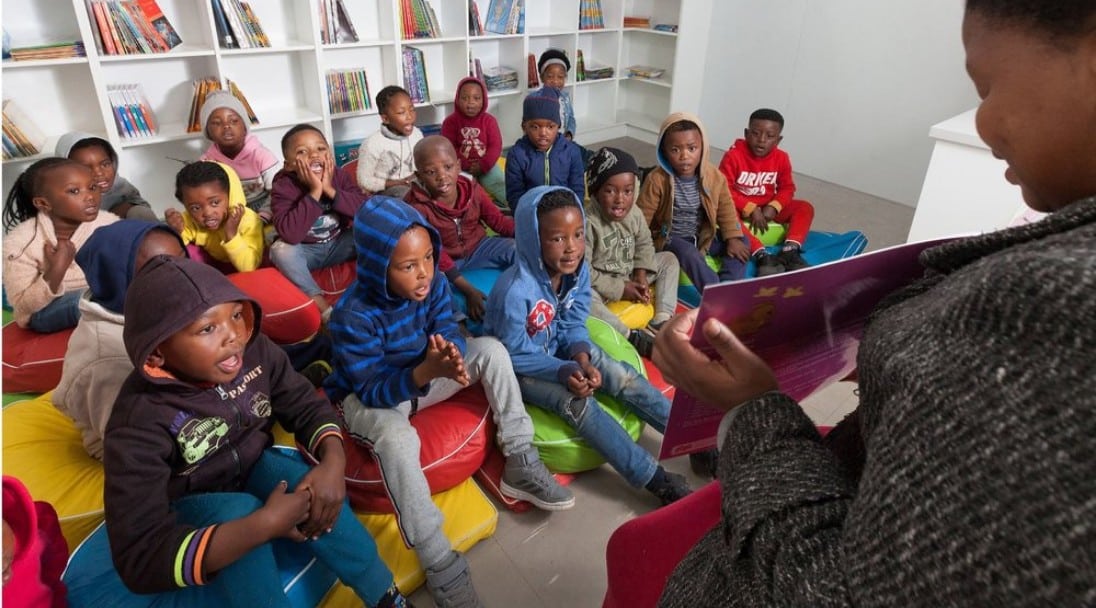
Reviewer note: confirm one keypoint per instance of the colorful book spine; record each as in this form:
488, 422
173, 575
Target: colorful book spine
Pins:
347, 91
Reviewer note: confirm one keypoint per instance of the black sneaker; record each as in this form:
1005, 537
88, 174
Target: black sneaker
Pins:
643, 342
792, 260
668, 487
769, 265
317, 372
704, 464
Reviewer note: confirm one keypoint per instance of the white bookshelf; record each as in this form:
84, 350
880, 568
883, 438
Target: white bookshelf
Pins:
285, 83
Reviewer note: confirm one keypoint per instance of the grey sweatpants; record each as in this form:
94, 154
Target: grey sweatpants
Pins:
664, 280
396, 443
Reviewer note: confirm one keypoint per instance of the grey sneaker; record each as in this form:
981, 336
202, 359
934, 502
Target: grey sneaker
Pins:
526, 478
450, 584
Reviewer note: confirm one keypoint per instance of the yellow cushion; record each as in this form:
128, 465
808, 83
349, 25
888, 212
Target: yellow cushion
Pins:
43, 448
635, 315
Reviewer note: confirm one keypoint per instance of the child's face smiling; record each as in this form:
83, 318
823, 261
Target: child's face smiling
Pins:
542, 132
309, 146
400, 114
438, 173
562, 242
411, 267
762, 137
554, 76
99, 162
207, 203
226, 129
211, 349
470, 101
70, 197
682, 150
617, 195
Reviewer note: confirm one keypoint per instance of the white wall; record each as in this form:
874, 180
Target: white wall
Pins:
859, 83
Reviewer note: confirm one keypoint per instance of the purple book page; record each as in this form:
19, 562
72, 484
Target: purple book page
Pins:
805, 324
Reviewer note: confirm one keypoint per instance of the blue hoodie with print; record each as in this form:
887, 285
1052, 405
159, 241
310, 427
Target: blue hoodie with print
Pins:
541, 330
378, 337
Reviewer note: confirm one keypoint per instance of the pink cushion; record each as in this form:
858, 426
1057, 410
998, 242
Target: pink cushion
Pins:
33, 361
289, 316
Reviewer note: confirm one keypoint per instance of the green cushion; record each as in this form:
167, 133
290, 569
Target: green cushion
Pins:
560, 446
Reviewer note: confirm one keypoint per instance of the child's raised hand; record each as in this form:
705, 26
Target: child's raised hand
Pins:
454, 362
738, 250
232, 222
442, 360
175, 220
327, 181
312, 182
56, 260
284, 511
759, 224
578, 385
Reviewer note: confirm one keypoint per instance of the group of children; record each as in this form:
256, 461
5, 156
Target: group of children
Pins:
175, 388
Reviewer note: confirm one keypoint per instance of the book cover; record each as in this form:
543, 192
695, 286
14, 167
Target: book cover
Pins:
805, 324
256, 25
239, 94
234, 23
144, 27
156, 17
224, 32
344, 30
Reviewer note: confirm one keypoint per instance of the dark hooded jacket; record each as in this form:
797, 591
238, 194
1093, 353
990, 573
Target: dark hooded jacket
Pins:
168, 438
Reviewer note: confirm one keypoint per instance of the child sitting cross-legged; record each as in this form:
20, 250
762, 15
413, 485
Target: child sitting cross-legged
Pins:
314, 203
225, 123
398, 350
623, 261
538, 310
194, 497
459, 209
543, 156
386, 159
475, 135
217, 227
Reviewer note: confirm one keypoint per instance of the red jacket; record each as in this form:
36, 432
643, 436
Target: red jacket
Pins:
755, 182
477, 138
462, 226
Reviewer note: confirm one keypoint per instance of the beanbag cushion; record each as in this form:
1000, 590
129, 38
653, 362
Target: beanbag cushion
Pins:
634, 315
482, 279
561, 448
334, 280
32, 361
289, 316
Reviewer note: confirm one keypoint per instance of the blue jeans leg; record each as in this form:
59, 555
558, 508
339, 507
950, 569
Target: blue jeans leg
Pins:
691, 261
492, 252
733, 269
298, 261
61, 313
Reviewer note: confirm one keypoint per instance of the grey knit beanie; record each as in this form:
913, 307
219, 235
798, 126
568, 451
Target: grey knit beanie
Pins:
222, 99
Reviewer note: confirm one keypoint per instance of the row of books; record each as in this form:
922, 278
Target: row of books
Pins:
132, 113
418, 20
645, 71
475, 22
590, 16
237, 26
414, 75
335, 24
348, 91
204, 87
638, 22
21, 136
59, 50
505, 17
591, 71
131, 27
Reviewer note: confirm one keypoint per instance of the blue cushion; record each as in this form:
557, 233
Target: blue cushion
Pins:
483, 280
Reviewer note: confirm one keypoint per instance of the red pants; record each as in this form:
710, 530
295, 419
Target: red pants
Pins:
796, 214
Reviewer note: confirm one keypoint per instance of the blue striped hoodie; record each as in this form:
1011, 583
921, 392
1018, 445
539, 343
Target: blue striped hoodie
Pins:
379, 338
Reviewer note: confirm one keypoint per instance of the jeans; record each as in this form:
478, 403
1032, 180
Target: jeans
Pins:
692, 261
62, 313
604, 434
492, 252
253, 579
298, 261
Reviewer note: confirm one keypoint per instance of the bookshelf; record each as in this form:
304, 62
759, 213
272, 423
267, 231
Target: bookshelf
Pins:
286, 82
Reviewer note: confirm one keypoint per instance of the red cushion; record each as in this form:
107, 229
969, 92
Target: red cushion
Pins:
334, 280
455, 436
33, 361
489, 477
289, 316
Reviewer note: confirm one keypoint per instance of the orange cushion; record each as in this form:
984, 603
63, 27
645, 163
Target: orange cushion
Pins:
33, 361
289, 316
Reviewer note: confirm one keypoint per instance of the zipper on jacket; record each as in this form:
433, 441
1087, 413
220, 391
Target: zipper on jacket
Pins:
239, 424
460, 233
547, 168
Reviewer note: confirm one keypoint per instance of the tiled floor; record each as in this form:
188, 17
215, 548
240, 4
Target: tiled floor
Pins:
537, 559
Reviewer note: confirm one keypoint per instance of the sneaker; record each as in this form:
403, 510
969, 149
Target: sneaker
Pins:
769, 265
317, 372
668, 487
643, 342
451, 585
792, 260
705, 464
526, 478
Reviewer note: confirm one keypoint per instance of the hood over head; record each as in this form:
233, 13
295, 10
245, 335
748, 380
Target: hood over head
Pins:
168, 294
68, 141
109, 259
483, 89
378, 226
527, 229
678, 117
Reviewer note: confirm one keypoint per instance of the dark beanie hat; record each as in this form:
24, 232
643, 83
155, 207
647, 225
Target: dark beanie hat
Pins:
551, 56
606, 163
541, 104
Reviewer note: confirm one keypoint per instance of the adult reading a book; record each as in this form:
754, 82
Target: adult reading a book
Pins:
967, 474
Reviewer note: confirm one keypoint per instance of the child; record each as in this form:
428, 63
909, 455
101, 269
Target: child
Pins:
542, 157
314, 203
96, 363
118, 195
49, 214
760, 178
386, 159
398, 350
218, 226
538, 310
475, 135
225, 123
459, 209
688, 207
622, 257
193, 497
553, 66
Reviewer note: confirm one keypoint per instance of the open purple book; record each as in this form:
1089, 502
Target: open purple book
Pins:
805, 324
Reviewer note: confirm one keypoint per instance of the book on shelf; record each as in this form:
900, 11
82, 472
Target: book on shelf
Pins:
348, 91
204, 87
22, 137
475, 67
418, 20
475, 22
237, 25
806, 325
414, 75
505, 17
132, 113
58, 50
645, 71
534, 78
637, 22
665, 27
590, 16
500, 78
433, 128
130, 27
335, 24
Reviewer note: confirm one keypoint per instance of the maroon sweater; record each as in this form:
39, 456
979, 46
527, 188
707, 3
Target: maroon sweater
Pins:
295, 211
476, 138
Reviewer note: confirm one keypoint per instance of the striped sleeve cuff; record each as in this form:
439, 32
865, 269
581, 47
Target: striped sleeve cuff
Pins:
322, 433
747, 209
189, 565
775, 204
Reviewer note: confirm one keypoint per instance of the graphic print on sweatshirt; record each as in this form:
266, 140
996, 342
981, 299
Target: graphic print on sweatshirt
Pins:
756, 183
470, 142
540, 317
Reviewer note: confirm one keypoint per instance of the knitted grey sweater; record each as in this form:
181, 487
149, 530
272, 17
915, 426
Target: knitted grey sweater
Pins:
974, 483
